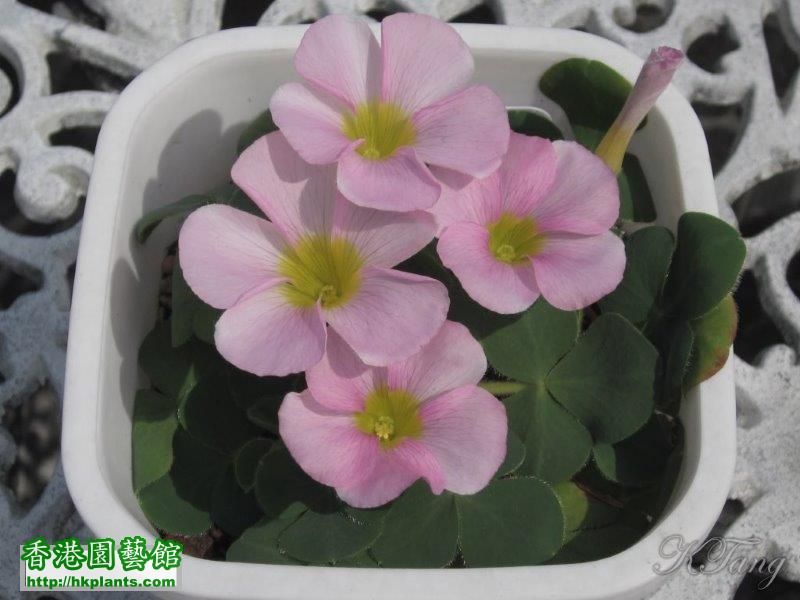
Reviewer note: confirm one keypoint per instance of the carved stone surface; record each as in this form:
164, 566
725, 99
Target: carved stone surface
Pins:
62, 62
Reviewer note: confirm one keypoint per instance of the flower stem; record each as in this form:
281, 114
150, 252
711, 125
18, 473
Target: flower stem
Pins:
502, 388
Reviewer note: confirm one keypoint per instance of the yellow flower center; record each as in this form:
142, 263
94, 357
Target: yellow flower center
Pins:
321, 269
513, 240
391, 416
383, 126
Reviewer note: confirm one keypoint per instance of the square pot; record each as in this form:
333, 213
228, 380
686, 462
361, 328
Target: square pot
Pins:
173, 132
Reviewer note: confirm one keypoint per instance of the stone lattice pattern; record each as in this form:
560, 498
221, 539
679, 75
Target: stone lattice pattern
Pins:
62, 62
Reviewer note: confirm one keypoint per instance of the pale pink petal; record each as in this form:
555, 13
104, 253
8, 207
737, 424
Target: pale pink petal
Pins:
500, 287
527, 173
584, 197
418, 458
327, 445
296, 196
450, 178
399, 183
311, 122
263, 334
340, 381
389, 478
653, 79
465, 429
424, 61
392, 315
383, 238
574, 271
480, 202
340, 55
225, 252
451, 359
467, 132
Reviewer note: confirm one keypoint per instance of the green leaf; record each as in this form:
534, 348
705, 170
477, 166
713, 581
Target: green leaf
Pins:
596, 543
420, 530
280, 482
190, 315
360, 560
589, 92
204, 321
533, 123
196, 469
708, 258
574, 507
526, 348
264, 413
510, 522
635, 198
148, 222
165, 508
154, 422
225, 194
212, 418
183, 306
232, 509
261, 125
247, 459
515, 454
714, 333
606, 380
323, 538
648, 254
673, 339
259, 543
637, 460
174, 371
654, 499
249, 390
556, 444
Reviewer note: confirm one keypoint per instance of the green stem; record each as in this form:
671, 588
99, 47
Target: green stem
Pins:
502, 388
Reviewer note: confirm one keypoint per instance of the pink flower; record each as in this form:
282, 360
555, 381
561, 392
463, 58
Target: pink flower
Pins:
537, 226
385, 112
319, 259
371, 432
653, 79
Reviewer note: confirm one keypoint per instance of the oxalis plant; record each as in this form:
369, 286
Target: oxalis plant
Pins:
417, 330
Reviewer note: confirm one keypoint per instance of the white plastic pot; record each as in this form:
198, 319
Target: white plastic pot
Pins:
173, 132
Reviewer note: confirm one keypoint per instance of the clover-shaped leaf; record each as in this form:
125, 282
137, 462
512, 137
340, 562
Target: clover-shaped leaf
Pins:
606, 380
247, 459
713, 336
259, 543
190, 316
637, 460
154, 423
648, 255
326, 537
705, 266
516, 521
420, 530
556, 444
232, 509
212, 418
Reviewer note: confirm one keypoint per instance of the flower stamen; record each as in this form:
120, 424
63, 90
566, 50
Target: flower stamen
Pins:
321, 269
384, 127
513, 240
390, 415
